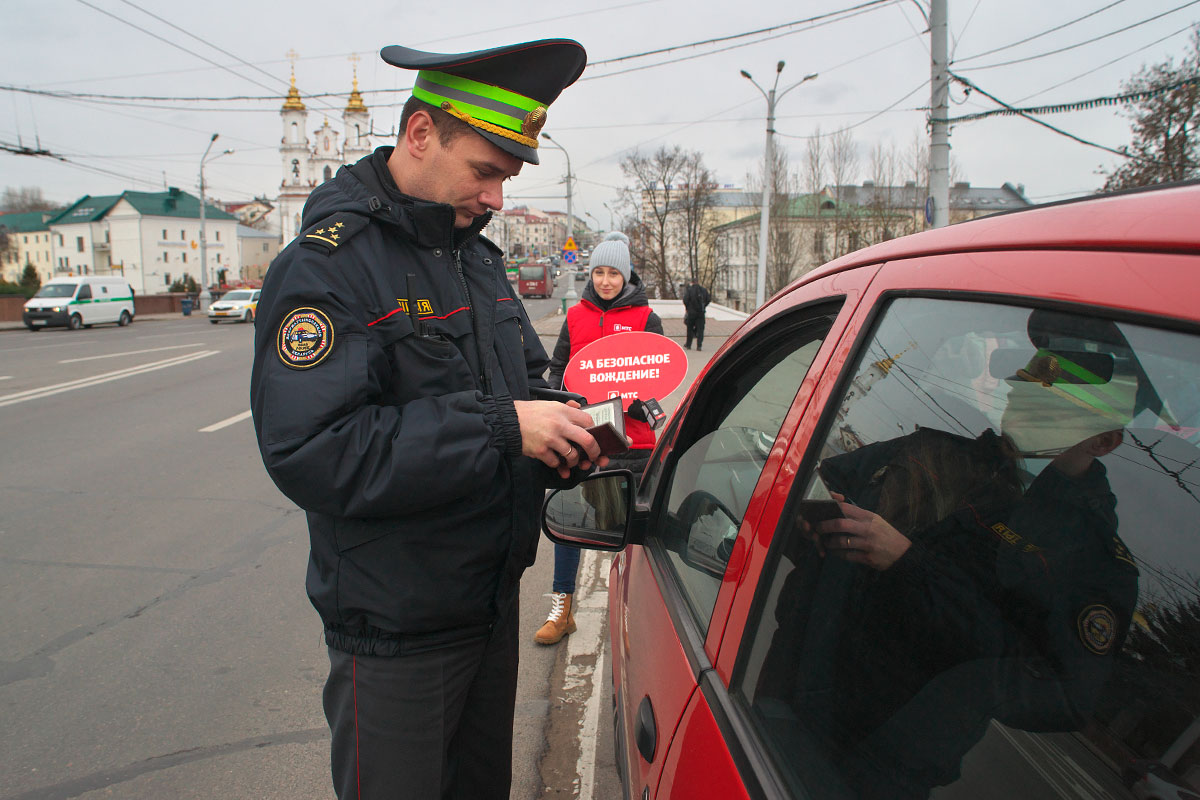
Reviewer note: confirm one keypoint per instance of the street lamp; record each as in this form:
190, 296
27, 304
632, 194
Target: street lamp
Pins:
598, 225
768, 173
204, 294
610, 215
570, 219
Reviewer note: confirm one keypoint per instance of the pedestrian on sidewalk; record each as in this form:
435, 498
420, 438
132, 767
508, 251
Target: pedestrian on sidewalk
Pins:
695, 301
390, 393
613, 302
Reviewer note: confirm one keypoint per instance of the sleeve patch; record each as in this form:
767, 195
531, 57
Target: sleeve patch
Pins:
305, 338
1098, 629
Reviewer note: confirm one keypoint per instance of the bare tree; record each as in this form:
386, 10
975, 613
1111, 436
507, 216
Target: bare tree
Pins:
25, 198
1166, 124
783, 236
843, 171
814, 162
670, 193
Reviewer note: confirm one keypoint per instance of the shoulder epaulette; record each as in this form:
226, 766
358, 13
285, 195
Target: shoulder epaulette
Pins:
332, 231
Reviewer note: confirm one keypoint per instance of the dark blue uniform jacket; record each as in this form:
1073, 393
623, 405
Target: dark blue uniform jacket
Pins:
399, 440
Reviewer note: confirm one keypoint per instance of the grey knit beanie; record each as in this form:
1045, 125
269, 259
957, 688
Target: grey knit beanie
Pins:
611, 253
617, 236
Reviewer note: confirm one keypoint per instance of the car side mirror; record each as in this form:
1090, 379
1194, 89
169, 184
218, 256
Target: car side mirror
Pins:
597, 514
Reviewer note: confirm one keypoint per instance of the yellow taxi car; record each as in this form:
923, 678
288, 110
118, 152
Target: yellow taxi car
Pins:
237, 305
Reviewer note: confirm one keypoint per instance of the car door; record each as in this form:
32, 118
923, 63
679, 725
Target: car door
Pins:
1030, 637
84, 303
706, 484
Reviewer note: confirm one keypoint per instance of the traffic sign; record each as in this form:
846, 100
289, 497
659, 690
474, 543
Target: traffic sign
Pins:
569, 256
570, 245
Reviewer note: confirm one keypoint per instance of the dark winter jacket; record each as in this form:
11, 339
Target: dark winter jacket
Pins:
389, 348
593, 317
695, 300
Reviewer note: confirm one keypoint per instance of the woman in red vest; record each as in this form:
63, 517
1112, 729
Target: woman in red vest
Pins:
613, 302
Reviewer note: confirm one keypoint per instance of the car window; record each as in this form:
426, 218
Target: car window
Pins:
85, 292
1013, 606
57, 290
721, 452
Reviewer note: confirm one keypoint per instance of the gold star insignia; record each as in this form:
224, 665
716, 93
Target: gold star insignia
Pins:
321, 230
337, 225
333, 236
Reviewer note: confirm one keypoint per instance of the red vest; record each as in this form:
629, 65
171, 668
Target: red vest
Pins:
585, 324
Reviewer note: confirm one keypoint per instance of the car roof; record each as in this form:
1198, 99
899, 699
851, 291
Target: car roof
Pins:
1161, 219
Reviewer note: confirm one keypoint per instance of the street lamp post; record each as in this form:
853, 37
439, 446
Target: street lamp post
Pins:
570, 219
610, 216
768, 175
204, 293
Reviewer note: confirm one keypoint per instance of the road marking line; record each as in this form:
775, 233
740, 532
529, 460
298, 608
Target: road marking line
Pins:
5, 377
82, 383
225, 423
131, 353
593, 601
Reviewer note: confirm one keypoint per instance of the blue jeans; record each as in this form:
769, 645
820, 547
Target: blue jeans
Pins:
566, 564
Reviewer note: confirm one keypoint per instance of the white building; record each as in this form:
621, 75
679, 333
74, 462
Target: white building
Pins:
152, 238
28, 237
308, 163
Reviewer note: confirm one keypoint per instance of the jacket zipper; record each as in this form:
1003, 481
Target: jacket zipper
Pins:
462, 280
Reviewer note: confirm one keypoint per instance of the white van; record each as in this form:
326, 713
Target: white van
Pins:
80, 303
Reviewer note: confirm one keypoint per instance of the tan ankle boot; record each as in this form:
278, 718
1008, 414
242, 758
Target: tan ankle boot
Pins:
561, 620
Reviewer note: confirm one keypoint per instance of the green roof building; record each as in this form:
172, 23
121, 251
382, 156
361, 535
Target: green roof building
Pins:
152, 238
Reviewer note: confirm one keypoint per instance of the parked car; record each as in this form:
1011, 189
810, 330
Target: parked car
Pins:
927, 519
238, 305
535, 280
80, 302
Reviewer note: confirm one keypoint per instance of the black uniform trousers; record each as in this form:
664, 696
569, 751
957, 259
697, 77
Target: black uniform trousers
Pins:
435, 724
695, 329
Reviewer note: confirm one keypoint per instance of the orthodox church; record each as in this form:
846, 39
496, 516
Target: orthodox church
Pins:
307, 162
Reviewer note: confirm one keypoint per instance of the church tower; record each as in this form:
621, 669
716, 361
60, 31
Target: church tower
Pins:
356, 123
296, 184
326, 153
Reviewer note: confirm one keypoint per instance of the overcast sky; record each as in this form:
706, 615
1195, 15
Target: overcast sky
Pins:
873, 78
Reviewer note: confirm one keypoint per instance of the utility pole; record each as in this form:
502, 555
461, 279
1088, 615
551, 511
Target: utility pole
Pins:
939, 109
760, 292
204, 293
570, 218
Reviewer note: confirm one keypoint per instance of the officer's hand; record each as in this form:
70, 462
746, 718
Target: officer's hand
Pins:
555, 434
861, 536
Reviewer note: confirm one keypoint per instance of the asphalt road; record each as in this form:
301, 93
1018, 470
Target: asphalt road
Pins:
157, 639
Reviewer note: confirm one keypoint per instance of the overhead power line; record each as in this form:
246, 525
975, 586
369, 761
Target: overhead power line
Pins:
1078, 105
1081, 44
731, 37
1046, 32
1047, 125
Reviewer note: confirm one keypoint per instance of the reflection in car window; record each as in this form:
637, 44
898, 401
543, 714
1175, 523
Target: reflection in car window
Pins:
1012, 605
714, 476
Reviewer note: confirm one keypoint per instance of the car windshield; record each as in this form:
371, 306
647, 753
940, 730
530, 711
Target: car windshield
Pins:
235, 296
57, 290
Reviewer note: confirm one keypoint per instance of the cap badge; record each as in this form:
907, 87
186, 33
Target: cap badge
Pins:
532, 125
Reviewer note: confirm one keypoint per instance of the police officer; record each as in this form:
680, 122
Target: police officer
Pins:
391, 383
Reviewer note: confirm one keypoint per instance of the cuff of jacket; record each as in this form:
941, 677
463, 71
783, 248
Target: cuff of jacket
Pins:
506, 426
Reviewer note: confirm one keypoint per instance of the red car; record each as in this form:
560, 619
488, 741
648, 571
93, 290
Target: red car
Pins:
928, 524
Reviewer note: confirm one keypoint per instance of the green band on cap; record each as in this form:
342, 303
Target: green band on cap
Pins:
481, 101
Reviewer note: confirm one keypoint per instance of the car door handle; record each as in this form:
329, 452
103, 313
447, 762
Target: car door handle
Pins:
645, 733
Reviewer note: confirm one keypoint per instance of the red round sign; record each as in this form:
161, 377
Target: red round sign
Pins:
634, 365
